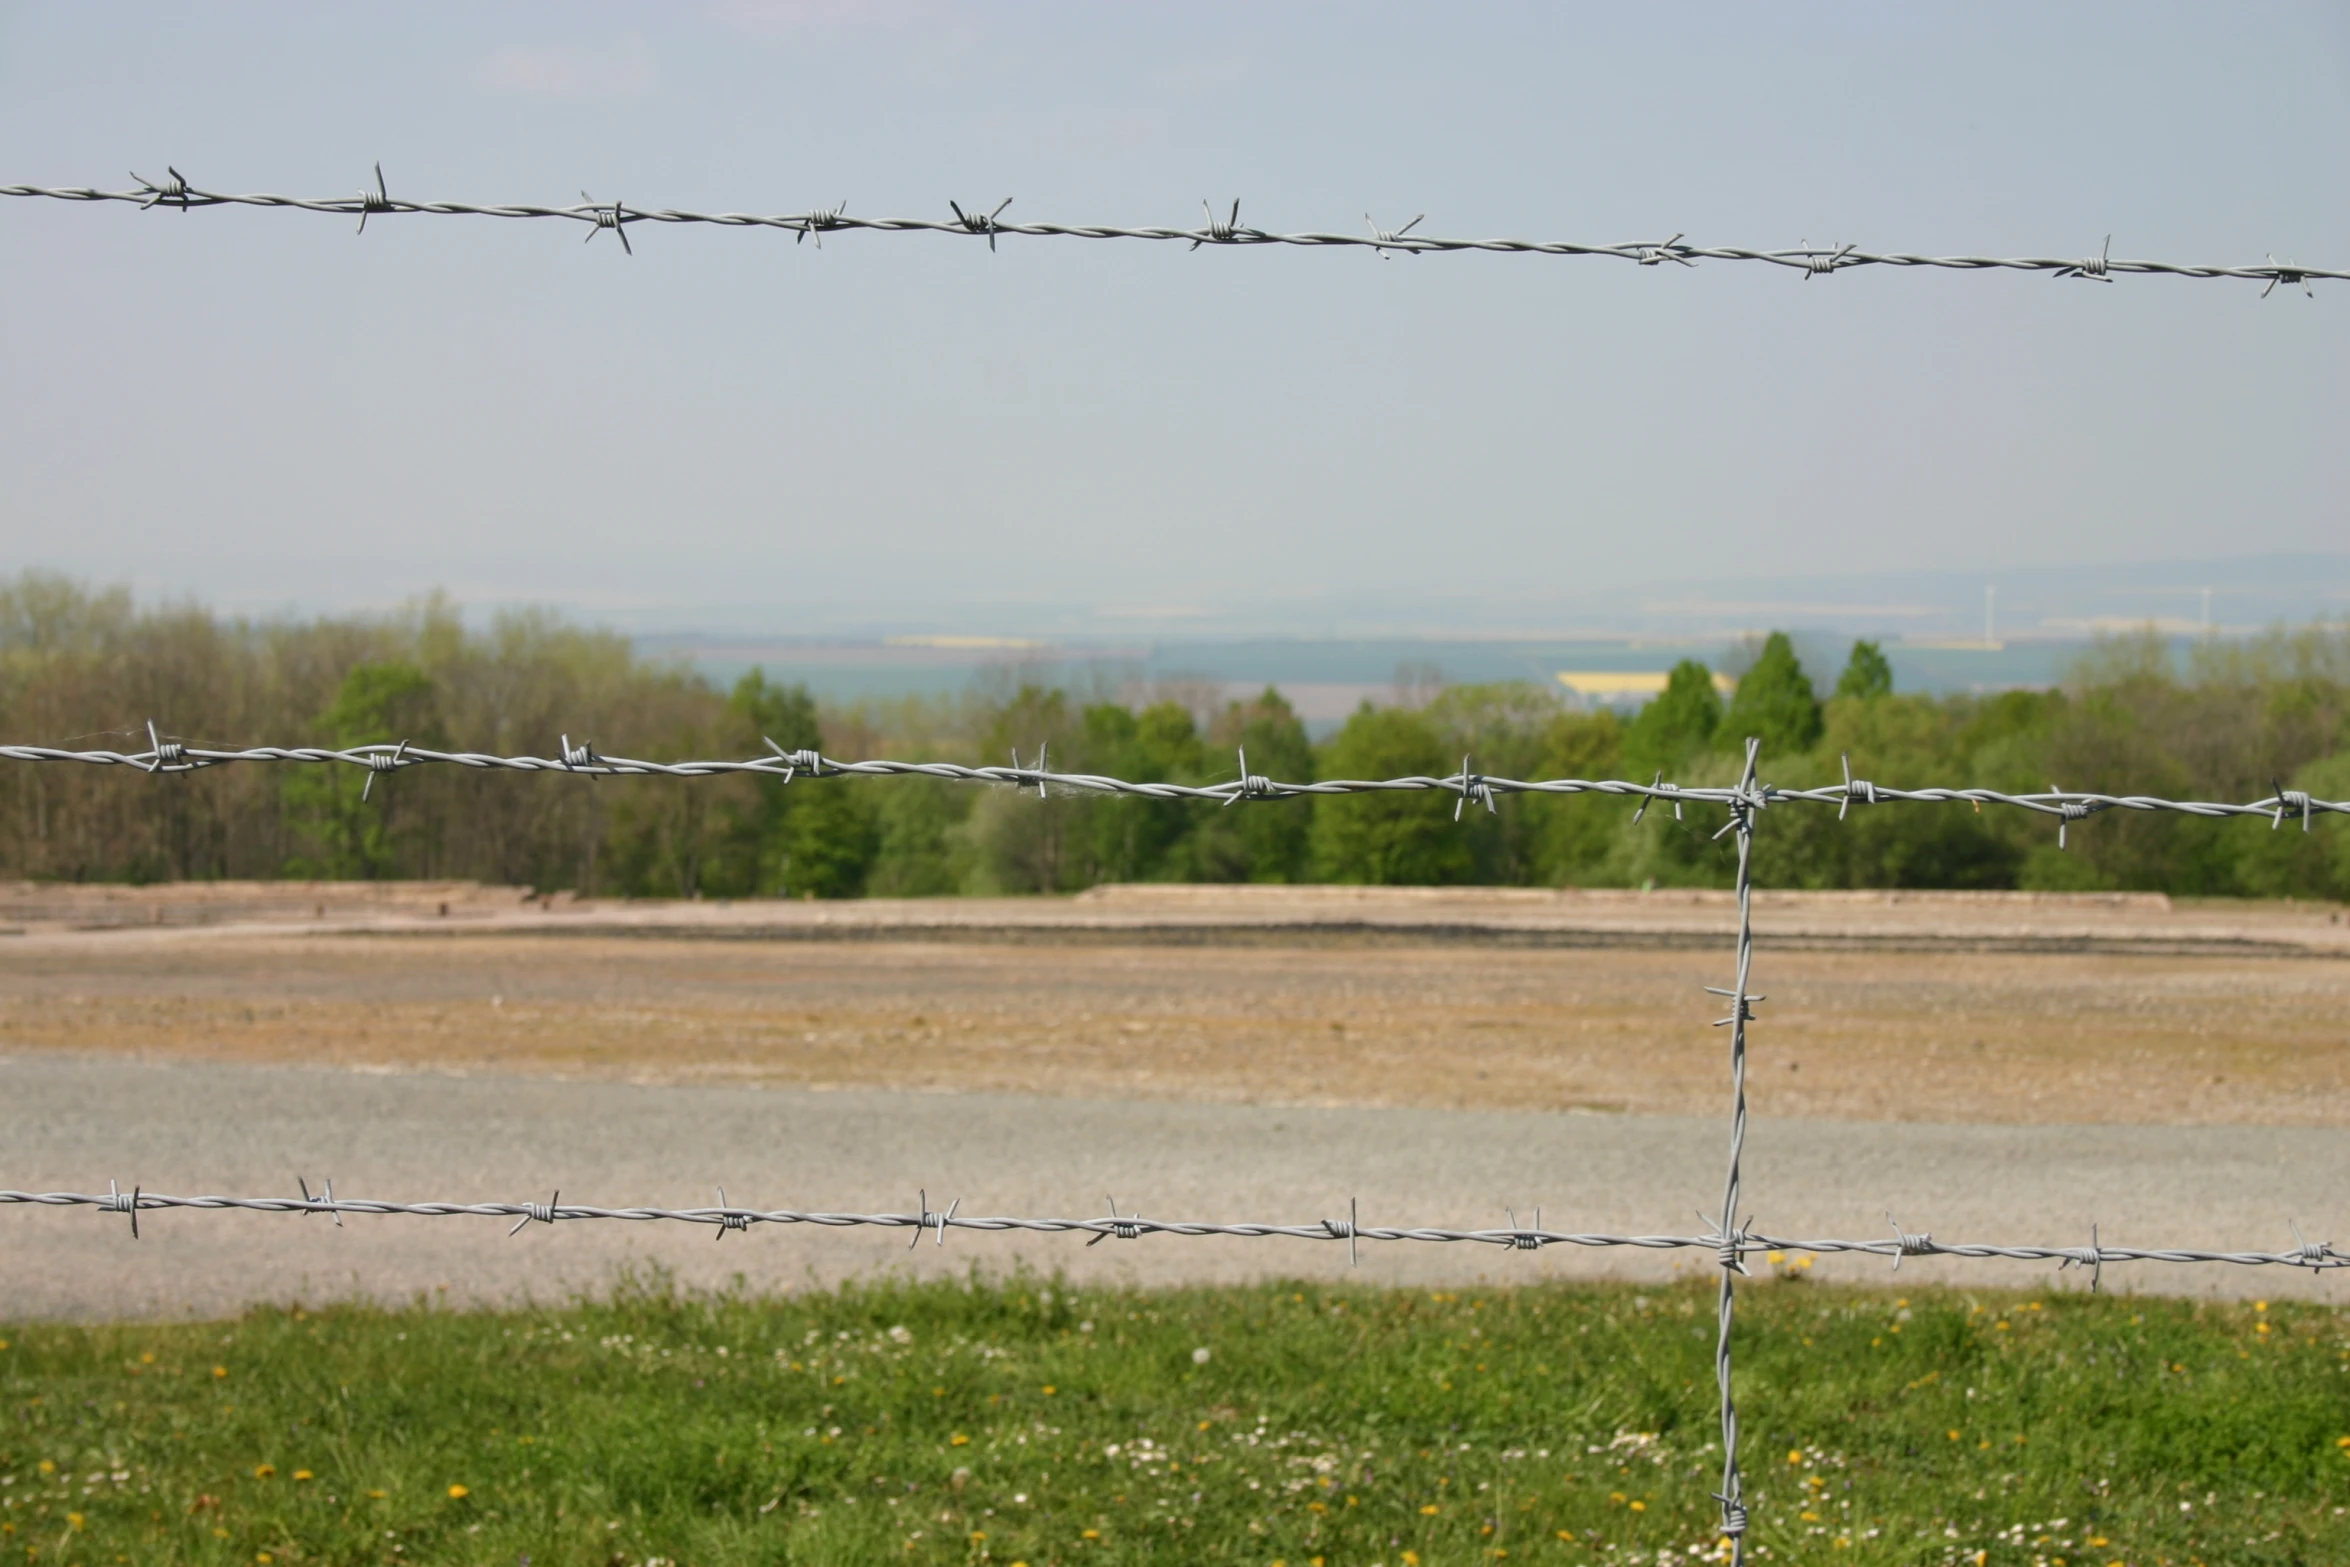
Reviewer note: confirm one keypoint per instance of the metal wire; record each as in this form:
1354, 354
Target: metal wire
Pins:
979, 221
925, 1220
2066, 805
1732, 1239
1729, 1231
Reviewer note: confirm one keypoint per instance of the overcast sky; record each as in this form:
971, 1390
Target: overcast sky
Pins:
729, 430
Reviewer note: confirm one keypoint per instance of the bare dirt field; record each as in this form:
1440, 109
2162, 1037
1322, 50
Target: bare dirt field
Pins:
1995, 1068
2153, 1035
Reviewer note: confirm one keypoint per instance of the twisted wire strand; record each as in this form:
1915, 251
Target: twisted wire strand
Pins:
1732, 1495
167, 756
1806, 260
2318, 1258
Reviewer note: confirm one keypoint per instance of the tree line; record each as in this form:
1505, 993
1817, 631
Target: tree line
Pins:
88, 667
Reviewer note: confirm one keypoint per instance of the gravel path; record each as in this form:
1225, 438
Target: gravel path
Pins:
69, 1123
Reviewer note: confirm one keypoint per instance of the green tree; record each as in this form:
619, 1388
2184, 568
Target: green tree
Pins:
1013, 841
914, 851
350, 828
1135, 839
809, 837
1398, 839
830, 838
1867, 674
1775, 702
1259, 840
1677, 725
1503, 729
1572, 834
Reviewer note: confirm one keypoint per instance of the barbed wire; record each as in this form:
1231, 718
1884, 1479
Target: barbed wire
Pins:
1728, 1231
1115, 1225
169, 756
979, 221
1731, 1239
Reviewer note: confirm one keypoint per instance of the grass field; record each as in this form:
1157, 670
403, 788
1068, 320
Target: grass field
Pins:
1017, 1422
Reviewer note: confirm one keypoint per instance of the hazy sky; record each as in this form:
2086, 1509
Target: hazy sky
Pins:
262, 410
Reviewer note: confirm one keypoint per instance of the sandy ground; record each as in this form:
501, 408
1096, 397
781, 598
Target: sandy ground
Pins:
1914, 1036
71, 1122
1984, 1072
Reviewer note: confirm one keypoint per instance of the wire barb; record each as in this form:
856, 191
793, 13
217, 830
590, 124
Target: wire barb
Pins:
115, 1202
1857, 791
1385, 240
731, 1218
1350, 1228
2288, 275
324, 1203
376, 200
1252, 786
171, 192
1219, 232
2094, 268
2071, 811
794, 761
1123, 1228
1908, 1245
382, 762
2289, 800
609, 215
542, 1213
1820, 263
1474, 790
822, 221
926, 1220
978, 222
1670, 250
2092, 1257
166, 756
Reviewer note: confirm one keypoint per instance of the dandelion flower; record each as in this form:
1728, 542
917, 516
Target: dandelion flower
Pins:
73, 1520
458, 1493
220, 1371
1795, 1455
264, 1471
1200, 1356
958, 1440
304, 1474
1430, 1510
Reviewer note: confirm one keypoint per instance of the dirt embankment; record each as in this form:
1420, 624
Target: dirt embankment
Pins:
1691, 918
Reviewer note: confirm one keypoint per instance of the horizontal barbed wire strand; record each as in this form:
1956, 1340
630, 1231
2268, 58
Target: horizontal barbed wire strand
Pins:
1807, 260
2068, 805
1748, 1242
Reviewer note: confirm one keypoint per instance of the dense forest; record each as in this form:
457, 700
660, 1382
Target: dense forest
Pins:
83, 667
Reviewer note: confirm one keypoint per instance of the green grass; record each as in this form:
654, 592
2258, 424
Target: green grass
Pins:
1020, 1422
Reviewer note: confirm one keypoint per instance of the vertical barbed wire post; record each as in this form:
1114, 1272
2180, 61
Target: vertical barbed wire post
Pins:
1743, 805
